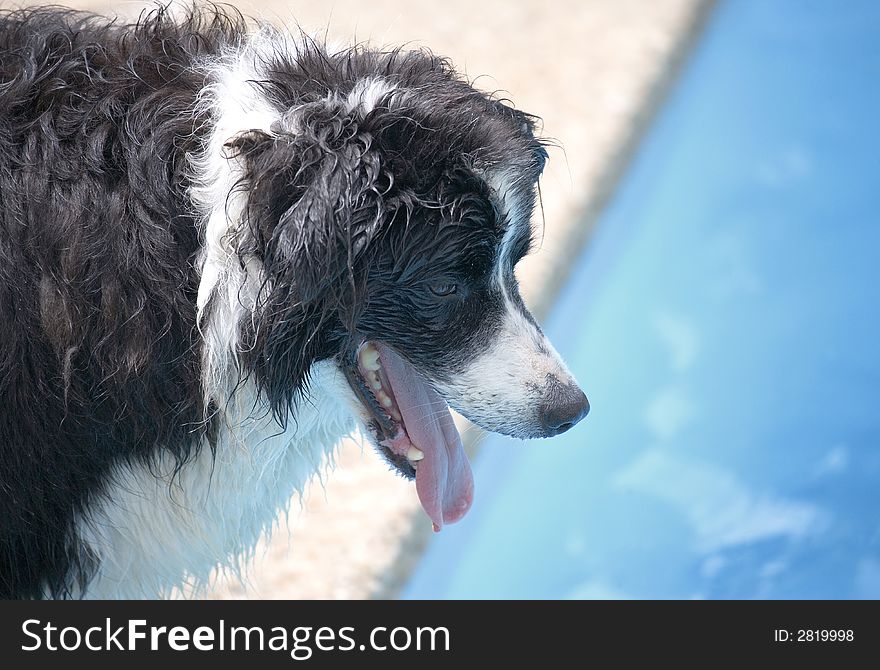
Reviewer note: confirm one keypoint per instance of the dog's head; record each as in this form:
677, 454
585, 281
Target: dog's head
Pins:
389, 206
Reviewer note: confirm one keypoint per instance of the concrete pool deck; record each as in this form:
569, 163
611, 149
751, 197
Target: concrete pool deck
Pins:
594, 71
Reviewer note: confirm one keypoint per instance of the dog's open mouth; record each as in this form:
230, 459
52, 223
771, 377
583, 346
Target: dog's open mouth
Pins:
413, 429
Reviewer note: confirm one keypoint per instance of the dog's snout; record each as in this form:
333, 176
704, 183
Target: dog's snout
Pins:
563, 406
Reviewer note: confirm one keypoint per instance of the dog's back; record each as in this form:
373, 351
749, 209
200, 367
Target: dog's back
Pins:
99, 362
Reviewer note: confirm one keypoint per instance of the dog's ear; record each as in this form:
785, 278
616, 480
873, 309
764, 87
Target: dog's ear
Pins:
314, 194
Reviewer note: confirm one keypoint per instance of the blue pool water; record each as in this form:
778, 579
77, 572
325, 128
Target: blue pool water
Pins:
725, 325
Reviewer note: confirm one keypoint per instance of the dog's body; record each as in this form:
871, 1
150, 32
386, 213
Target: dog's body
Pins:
221, 251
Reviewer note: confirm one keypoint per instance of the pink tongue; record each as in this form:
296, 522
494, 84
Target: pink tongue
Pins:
444, 480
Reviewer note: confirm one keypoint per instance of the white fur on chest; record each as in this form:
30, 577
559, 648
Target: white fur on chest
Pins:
152, 533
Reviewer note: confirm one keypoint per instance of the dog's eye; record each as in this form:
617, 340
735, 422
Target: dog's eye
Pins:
443, 289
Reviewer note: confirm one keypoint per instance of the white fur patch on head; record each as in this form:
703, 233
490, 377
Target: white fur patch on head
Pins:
367, 93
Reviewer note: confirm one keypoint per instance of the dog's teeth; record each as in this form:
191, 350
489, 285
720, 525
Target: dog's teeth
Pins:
395, 415
377, 385
385, 400
370, 358
415, 454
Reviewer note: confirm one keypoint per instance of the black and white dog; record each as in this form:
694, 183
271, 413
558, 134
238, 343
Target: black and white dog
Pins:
220, 250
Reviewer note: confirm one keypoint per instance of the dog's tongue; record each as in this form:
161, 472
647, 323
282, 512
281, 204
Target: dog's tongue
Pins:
444, 480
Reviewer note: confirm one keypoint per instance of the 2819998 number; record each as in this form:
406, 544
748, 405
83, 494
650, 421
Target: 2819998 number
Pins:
818, 635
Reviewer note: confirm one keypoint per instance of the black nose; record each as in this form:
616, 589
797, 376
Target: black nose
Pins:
564, 405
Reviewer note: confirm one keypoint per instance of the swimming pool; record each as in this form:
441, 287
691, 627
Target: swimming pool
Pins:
724, 323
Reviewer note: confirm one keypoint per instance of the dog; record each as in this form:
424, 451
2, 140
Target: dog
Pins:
223, 248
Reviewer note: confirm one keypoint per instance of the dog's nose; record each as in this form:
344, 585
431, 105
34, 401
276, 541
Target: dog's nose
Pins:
564, 405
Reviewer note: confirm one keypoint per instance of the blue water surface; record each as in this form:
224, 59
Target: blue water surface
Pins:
725, 324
